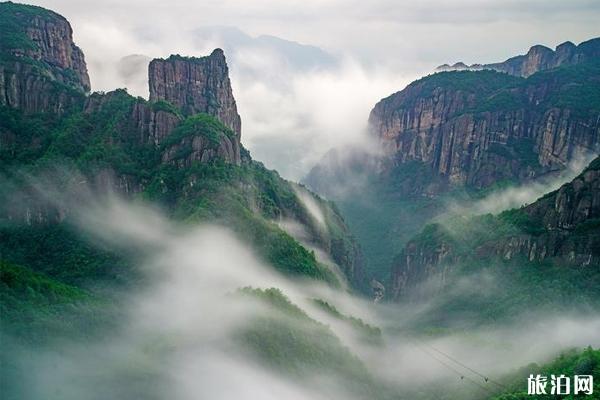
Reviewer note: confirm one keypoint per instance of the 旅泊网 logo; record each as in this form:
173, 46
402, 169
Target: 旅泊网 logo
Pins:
560, 384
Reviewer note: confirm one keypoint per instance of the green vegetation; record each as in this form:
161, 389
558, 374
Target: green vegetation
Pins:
384, 214
32, 289
202, 125
575, 88
12, 22
523, 222
27, 136
391, 208
60, 252
105, 139
477, 89
17, 47
480, 82
38, 309
487, 279
163, 105
570, 363
289, 341
489, 269
493, 292
370, 334
246, 198
56, 283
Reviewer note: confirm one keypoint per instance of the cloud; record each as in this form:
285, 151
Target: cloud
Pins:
527, 193
177, 337
294, 111
291, 128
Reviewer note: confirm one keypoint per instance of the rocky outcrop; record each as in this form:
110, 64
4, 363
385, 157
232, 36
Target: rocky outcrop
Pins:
478, 128
573, 204
114, 142
570, 217
560, 228
147, 122
196, 85
22, 86
42, 69
422, 260
53, 44
538, 58
201, 142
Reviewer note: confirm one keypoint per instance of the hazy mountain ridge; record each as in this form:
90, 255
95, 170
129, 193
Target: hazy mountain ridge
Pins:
538, 58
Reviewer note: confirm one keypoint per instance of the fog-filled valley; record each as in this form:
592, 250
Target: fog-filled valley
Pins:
444, 245
206, 316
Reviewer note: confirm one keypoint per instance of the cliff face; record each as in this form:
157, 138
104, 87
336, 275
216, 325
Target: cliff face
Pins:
538, 58
200, 139
196, 85
53, 44
573, 204
42, 69
559, 229
477, 128
181, 149
145, 123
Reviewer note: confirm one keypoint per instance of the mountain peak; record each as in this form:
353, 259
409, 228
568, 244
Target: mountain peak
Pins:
566, 45
218, 52
196, 85
538, 58
538, 48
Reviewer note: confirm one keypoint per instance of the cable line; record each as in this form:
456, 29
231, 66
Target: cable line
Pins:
485, 377
462, 376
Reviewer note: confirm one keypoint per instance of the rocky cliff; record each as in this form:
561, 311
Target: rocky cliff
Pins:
475, 128
41, 69
181, 150
560, 230
538, 58
196, 85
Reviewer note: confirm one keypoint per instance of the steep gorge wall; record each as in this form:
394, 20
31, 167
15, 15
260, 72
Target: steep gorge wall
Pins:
478, 128
561, 228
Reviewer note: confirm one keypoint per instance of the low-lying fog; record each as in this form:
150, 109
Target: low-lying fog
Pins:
180, 327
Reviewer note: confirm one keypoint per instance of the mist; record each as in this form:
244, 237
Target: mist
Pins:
296, 102
303, 91
520, 195
178, 336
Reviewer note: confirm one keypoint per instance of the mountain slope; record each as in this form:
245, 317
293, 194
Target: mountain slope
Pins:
453, 137
569, 363
546, 254
63, 150
186, 157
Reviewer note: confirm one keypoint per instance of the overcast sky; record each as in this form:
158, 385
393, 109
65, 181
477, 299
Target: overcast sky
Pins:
291, 117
